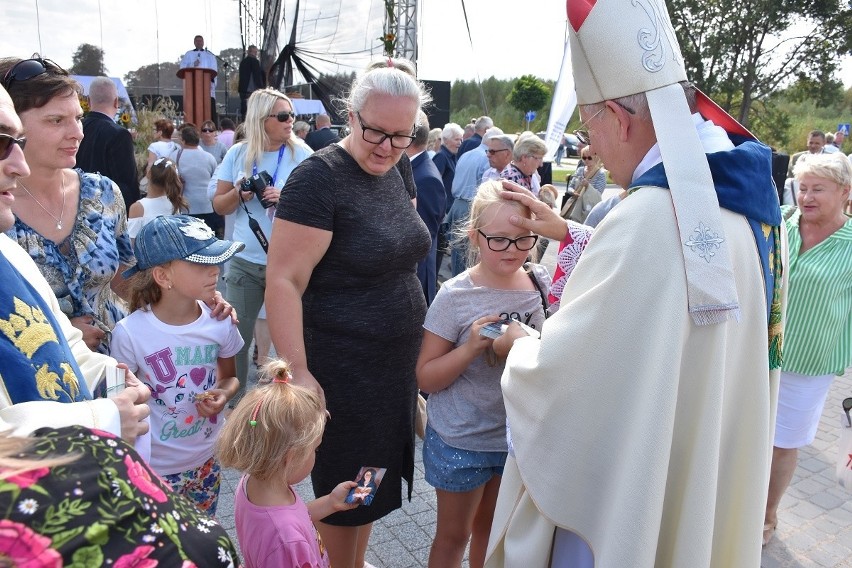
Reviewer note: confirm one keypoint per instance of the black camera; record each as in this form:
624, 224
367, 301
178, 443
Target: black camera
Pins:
257, 184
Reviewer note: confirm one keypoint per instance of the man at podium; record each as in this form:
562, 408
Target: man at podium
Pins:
200, 57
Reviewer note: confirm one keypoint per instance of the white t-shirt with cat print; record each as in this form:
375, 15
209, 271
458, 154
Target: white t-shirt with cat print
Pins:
177, 363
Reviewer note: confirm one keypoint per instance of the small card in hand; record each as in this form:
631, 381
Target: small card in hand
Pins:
494, 329
368, 480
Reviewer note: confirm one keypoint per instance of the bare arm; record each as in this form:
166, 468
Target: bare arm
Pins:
228, 197
323, 506
440, 364
294, 252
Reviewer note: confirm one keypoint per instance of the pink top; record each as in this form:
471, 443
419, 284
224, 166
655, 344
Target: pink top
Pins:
281, 536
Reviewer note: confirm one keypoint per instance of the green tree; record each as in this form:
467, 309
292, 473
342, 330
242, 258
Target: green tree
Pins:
154, 79
88, 60
742, 55
528, 93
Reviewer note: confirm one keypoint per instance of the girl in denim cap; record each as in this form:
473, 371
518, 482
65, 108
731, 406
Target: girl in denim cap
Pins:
181, 353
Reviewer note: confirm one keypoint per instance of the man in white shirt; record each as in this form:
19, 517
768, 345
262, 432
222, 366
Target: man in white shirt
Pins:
200, 57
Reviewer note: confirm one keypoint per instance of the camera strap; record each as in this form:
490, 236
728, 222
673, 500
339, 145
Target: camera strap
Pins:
255, 228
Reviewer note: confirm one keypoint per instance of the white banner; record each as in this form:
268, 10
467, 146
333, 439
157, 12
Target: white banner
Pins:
563, 105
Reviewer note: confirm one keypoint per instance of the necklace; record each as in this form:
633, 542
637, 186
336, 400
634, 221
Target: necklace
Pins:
37, 202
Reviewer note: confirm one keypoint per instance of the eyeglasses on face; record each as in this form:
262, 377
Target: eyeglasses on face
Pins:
492, 152
27, 69
582, 133
213, 129
499, 244
8, 142
375, 136
588, 158
284, 116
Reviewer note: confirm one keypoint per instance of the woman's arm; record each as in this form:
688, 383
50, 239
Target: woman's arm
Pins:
440, 364
228, 197
294, 252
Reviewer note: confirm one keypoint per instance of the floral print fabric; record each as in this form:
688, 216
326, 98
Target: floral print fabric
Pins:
106, 508
80, 268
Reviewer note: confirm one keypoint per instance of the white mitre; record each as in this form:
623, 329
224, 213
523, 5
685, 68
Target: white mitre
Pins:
624, 47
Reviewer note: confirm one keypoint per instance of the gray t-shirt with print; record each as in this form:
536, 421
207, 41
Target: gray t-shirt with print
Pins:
469, 414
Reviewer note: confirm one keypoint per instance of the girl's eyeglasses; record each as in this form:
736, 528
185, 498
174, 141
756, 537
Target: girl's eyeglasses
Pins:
499, 244
8, 142
29, 68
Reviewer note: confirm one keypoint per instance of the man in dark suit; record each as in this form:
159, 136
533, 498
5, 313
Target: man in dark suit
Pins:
251, 78
323, 135
107, 147
431, 203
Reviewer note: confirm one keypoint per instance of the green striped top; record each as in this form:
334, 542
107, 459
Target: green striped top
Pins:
818, 333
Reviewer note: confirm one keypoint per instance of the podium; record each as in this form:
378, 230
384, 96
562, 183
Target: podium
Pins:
196, 94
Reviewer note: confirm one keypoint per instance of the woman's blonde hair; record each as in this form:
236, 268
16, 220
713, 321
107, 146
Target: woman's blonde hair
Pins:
487, 194
274, 427
258, 109
13, 460
835, 167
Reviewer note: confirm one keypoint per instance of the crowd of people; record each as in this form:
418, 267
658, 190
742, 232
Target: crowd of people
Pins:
126, 372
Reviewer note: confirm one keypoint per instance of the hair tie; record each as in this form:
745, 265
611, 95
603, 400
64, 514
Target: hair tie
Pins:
281, 378
390, 62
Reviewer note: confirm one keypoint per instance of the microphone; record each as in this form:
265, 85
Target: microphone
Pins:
225, 64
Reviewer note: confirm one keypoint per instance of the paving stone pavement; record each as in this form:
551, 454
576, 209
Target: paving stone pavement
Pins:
815, 516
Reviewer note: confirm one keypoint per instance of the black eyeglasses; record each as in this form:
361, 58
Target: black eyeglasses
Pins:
8, 142
492, 152
499, 244
582, 133
213, 129
29, 68
284, 116
588, 158
375, 136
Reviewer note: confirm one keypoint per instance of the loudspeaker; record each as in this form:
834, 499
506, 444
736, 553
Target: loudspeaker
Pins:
439, 111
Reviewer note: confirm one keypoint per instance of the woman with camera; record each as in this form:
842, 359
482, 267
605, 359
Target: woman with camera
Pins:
250, 179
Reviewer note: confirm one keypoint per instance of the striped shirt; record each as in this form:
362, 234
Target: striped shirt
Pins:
818, 333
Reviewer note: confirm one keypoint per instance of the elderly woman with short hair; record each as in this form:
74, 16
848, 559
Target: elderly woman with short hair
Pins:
817, 336
527, 157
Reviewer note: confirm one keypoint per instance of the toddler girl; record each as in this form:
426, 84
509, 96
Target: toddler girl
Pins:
272, 436
465, 444
179, 351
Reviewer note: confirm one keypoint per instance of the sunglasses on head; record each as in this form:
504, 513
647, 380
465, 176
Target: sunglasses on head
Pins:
27, 69
8, 142
284, 116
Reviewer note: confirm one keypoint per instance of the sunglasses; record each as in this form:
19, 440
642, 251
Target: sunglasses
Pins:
214, 130
588, 158
29, 68
492, 152
8, 142
283, 116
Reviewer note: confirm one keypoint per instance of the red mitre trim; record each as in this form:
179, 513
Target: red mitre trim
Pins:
578, 11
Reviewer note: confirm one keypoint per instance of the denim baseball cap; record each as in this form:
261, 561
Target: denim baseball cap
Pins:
179, 237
